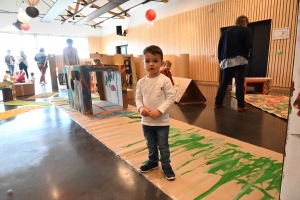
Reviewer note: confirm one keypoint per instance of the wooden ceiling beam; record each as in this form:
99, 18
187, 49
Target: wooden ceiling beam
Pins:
110, 12
93, 22
102, 10
121, 9
57, 8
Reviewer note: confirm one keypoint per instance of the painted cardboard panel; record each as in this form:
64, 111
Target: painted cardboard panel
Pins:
79, 88
113, 85
187, 92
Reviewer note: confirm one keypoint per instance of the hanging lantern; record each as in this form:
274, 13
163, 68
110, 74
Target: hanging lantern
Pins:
17, 24
25, 27
32, 2
23, 17
32, 12
150, 24
150, 15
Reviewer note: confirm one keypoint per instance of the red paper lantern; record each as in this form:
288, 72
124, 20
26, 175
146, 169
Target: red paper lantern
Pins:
25, 27
150, 15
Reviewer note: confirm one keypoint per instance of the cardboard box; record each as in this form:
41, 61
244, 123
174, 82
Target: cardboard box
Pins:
130, 94
23, 89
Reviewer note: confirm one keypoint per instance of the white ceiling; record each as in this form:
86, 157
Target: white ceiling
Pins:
137, 17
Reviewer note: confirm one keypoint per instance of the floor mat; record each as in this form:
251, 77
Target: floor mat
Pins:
43, 95
277, 105
26, 103
207, 165
17, 111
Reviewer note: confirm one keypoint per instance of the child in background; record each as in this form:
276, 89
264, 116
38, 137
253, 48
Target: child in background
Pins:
128, 72
166, 70
32, 78
21, 78
7, 76
154, 97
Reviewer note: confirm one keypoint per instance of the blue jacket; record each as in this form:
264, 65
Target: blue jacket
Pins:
235, 41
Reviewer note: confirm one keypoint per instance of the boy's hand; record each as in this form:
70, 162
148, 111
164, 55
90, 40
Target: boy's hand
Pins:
155, 114
144, 111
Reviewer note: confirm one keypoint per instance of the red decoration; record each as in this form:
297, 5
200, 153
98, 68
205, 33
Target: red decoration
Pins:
25, 27
150, 15
113, 88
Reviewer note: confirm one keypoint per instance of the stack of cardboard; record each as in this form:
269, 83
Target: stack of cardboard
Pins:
23, 89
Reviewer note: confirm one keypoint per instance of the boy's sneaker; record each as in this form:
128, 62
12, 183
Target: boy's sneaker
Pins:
148, 167
168, 171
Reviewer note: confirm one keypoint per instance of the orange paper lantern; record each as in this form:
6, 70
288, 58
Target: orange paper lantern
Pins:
150, 15
25, 27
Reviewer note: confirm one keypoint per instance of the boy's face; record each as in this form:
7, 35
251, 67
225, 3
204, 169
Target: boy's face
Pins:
167, 67
152, 64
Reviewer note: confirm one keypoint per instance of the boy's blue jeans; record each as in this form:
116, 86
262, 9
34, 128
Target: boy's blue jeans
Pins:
157, 138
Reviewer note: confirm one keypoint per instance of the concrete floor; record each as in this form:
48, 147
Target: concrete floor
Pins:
46, 155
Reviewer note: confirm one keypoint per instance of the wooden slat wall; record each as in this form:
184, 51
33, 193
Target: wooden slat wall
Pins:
95, 44
197, 33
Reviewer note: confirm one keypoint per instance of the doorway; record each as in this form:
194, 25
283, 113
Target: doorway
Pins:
122, 49
258, 56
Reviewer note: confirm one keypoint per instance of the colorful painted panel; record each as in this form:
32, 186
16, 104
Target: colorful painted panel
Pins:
79, 85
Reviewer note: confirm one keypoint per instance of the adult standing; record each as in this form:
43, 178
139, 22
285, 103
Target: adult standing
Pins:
70, 54
10, 62
23, 64
41, 59
233, 50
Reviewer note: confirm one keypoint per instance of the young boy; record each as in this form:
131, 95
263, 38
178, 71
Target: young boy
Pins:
154, 97
166, 70
32, 78
6, 76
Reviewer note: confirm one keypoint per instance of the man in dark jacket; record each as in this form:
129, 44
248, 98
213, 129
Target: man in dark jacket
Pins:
233, 50
10, 62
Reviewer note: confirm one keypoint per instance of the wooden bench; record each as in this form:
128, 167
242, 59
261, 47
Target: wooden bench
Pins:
266, 81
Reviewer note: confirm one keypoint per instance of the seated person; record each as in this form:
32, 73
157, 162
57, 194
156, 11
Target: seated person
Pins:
7, 76
166, 70
32, 78
97, 61
21, 78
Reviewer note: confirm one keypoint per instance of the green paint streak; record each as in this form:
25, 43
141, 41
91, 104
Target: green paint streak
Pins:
129, 145
232, 145
146, 148
135, 121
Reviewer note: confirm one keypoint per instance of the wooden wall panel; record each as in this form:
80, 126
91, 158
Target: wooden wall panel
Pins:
197, 33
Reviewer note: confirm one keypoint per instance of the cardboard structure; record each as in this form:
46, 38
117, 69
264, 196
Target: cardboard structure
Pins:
8, 85
110, 80
187, 92
24, 89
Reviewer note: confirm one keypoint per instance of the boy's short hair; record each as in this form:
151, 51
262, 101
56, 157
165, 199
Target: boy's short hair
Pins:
7, 71
153, 50
31, 73
167, 62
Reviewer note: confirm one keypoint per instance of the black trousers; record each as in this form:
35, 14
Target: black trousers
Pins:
23, 67
239, 75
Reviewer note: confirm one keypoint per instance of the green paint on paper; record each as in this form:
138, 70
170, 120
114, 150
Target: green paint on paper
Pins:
135, 121
225, 160
129, 145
